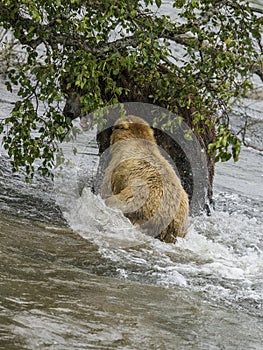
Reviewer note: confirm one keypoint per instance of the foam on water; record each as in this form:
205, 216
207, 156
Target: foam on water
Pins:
221, 255
106, 226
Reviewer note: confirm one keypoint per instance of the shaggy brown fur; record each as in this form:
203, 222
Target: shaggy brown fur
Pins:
143, 184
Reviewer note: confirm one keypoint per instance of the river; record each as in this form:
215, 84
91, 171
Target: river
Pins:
75, 274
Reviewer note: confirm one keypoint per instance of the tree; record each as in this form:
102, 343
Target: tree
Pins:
125, 50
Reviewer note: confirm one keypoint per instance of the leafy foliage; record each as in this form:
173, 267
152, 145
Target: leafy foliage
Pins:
88, 45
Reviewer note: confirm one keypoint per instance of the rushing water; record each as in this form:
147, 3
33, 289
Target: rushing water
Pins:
75, 274
88, 280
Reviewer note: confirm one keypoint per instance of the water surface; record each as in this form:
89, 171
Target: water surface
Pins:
75, 274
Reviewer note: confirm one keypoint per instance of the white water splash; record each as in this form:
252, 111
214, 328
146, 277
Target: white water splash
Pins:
209, 259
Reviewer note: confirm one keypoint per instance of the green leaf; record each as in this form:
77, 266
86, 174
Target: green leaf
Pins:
158, 3
80, 54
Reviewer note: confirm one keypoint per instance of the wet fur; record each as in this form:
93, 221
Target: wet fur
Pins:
143, 184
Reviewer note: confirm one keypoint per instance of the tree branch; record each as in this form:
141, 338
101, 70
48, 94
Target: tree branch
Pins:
184, 28
53, 38
258, 70
256, 10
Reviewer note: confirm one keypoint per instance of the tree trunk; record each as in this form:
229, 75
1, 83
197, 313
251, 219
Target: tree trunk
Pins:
189, 157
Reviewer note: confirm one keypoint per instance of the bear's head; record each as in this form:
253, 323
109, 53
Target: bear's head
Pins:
131, 127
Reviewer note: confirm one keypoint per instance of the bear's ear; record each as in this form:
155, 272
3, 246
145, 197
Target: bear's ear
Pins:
122, 126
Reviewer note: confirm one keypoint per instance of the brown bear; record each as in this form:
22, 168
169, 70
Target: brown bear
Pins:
142, 183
